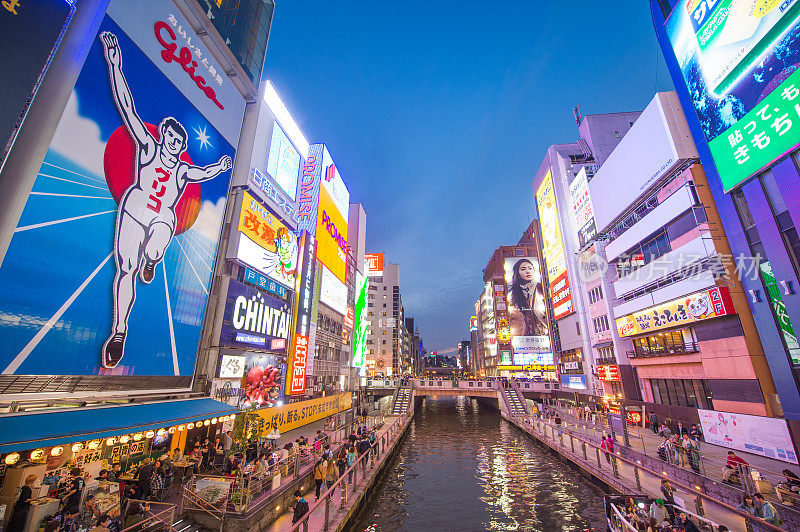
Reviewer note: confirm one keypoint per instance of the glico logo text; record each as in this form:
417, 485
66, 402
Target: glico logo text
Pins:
333, 231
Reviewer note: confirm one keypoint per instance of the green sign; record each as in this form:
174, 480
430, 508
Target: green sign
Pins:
760, 137
780, 312
505, 357
739, 60
360, 321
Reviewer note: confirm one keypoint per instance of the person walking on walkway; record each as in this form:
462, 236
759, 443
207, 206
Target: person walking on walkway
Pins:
319, 476
604, 448
731, 471
341, 462
300, 507
331, 473
658, 511
351, 459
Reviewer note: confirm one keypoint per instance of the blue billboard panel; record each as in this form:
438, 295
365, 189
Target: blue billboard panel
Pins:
577, 382
109, 268
255, 319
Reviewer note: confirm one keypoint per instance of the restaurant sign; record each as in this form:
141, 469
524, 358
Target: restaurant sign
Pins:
703, 305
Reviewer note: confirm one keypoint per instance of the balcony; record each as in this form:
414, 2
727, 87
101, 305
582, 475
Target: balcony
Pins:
609, 361
668, 350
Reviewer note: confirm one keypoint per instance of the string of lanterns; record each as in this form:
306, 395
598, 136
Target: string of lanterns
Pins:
37, 455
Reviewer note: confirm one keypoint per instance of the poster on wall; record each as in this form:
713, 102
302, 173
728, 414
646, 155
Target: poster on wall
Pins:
553, 248
739, 61
109, 268
582, 208
526, 305
764, 436
263, 381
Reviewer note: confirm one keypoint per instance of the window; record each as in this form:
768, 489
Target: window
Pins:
519, 252
695, 393
643, 253
677, 342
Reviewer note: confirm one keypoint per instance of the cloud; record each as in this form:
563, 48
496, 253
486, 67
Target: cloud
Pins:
448, 350
209, 220
78, 139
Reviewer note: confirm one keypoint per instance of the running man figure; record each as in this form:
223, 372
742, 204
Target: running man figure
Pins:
146, 214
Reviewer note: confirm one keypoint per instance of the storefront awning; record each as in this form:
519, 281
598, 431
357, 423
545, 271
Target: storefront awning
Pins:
32, 430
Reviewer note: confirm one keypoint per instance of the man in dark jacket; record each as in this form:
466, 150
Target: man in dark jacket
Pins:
145, 475
300, 506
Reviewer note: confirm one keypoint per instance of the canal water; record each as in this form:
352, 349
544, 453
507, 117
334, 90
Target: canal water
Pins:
462, 467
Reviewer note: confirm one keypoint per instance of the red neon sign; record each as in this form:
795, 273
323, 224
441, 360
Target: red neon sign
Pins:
297, 382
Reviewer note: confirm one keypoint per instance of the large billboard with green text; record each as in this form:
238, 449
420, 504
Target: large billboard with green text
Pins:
739, 59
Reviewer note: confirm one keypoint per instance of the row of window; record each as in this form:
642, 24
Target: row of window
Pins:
600, 324
694, 393
676, 342
596, 294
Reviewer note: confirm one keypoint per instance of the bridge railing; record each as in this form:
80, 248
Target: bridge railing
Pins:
453, 384
379, 383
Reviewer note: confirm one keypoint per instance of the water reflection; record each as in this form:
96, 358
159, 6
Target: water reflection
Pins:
461, 467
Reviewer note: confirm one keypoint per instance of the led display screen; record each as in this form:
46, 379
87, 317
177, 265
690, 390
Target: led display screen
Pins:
739, 61
283, 161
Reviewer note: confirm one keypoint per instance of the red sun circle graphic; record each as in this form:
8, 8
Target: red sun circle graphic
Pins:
118, 164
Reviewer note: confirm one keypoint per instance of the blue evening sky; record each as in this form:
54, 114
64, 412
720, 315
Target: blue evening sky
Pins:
438, 115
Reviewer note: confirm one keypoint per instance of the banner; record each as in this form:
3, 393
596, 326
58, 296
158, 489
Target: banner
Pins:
765, 436
699, 306
255, 319
527, 309
110, 266
582, 208
293, 415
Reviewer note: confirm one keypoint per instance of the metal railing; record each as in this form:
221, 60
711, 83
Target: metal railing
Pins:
160, 520
679, 349
624, 474
348, 482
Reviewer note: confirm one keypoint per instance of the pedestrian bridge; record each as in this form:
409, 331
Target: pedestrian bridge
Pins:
423, 387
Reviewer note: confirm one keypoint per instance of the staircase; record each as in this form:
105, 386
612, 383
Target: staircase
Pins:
516, 404
184, 525
402, 400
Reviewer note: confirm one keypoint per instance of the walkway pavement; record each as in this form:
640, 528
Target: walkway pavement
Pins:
625, 475
336, 511
713, 457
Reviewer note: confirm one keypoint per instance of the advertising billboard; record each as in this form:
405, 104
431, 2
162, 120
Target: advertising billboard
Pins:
527, 309
609, 372
739, 61
331, 236
110, 266
361, 324
473, 323
308, 190
577, 382
265, 243
529, 359
553, 248
332, 291
704, 305
374, 264
30, 36
334, 185
582, 207
764, 436
291, 416
263, 282
283, 161
231, 366
303, 340
256, 319
263, 381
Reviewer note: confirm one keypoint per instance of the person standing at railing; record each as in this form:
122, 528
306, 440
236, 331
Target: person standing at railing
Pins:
692, 453
766, 511
604, 448
696, 435
731, 471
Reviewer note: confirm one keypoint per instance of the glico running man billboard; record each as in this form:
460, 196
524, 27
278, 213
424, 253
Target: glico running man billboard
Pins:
739, 60
109, 268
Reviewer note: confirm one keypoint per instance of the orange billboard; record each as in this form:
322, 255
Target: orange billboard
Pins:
331, 235
260, 225
374, 263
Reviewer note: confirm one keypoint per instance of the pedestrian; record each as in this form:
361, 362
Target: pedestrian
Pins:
766, 510
227, 442
157, 480
692, 453
664, 450
341, 462
72, 499
331, 473
610, 443
654, 423
686, 522
748, 505
23, 504
678, 451
300, 507
658, 511
664, 431
667, 491
351, 459
604, 448
681, 430
102, 524
696, 435
145, 474
319, 476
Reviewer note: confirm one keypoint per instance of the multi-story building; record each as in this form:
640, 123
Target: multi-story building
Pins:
749, 155
386, 336
693, 341
416, 346
515, 292
570, 319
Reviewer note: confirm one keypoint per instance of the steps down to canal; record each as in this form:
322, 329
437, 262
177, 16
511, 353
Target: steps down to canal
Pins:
184, 525
401, 401
516, 404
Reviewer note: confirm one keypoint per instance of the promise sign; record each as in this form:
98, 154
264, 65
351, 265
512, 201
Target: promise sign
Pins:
297, 378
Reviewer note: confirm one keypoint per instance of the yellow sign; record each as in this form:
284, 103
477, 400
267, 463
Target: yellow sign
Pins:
532, 367
331, 235
553, 248
261, 226
291, 416
694, 307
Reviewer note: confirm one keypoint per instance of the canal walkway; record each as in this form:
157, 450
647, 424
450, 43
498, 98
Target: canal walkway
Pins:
332, 511
632, 476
